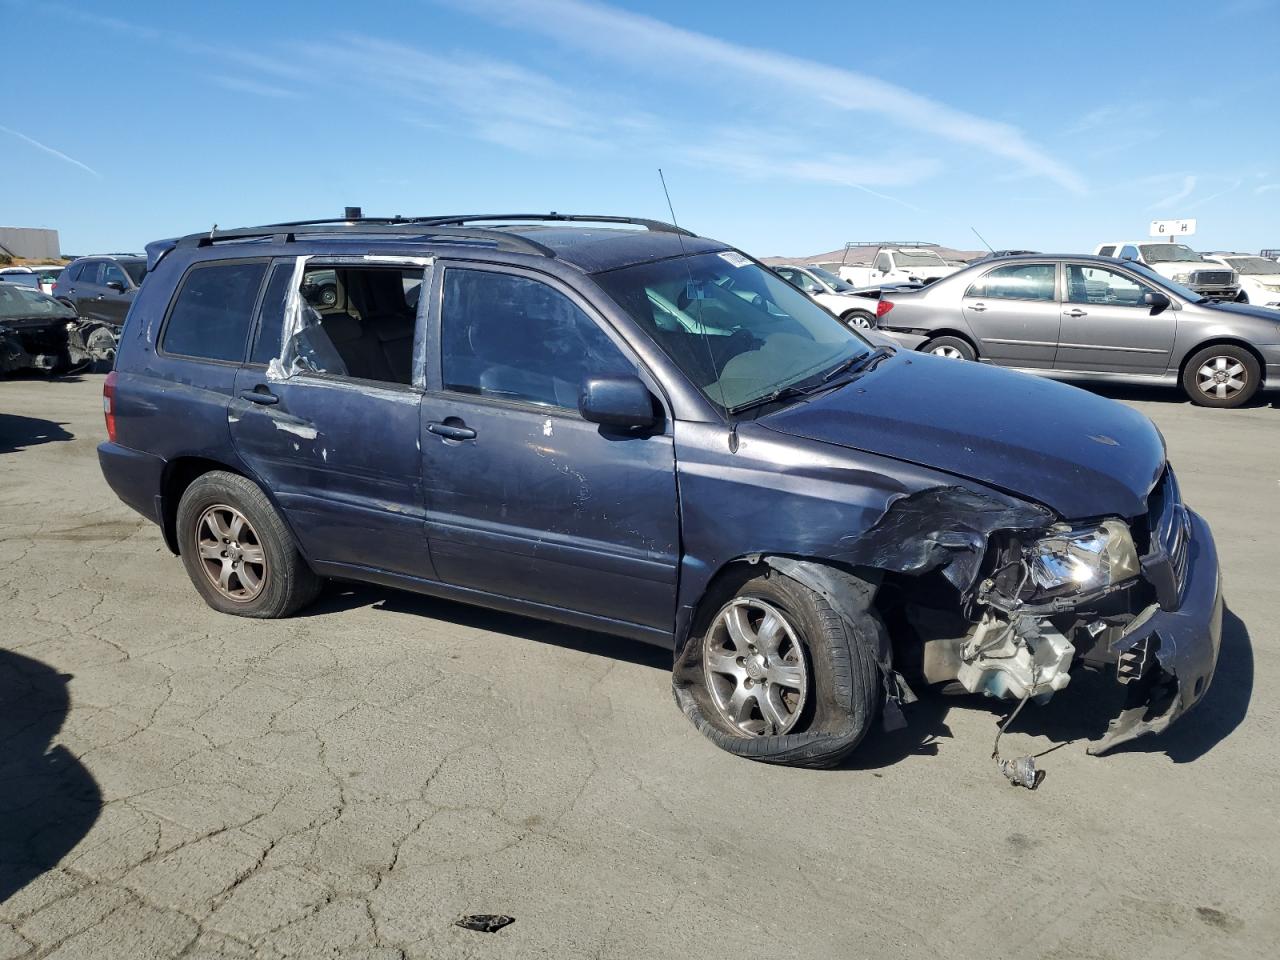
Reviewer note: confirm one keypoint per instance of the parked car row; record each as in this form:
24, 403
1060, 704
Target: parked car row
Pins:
1094, 318
649, 433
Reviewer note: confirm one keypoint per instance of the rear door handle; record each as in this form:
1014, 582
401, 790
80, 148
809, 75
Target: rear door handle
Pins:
1077, 312
263, 396
451, 431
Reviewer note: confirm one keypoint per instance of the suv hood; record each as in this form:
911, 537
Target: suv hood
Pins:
1079, 454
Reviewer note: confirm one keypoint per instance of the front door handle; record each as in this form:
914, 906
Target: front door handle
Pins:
451, 431
977, 307
259, 395
1077, 312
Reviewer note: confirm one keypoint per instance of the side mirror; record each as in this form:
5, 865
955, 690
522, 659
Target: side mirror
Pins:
1157, 301
812, 288
115, 285
616, 402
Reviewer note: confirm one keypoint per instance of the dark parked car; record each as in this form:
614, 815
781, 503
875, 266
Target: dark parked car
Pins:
1091, 318
648, 433
103, 287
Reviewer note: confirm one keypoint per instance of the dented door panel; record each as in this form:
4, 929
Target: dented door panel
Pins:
341, 458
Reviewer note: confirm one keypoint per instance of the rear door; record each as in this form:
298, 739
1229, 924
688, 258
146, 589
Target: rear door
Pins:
86, 288
525, 498
1014, 312
336, 441
1106, 327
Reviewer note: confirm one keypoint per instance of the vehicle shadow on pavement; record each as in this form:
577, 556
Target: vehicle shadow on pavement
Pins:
18, 433
348, 596
1166, 394
1081, 713
49, 799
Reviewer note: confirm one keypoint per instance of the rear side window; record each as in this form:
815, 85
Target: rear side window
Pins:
271, 316
91, 273
1021, 281
210, 316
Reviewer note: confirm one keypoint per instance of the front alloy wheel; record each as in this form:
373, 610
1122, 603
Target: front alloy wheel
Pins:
755, 668
1222, 377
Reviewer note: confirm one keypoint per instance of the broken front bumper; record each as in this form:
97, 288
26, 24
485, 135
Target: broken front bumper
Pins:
1176, 640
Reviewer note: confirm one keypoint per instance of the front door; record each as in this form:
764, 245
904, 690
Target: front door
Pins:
1013, 311
1106, 327
525, 499
112, 304
336, 441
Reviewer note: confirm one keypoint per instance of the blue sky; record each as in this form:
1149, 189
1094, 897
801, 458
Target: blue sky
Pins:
785, 129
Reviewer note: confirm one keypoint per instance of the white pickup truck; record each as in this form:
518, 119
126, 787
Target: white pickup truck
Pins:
899, 265
1179, 263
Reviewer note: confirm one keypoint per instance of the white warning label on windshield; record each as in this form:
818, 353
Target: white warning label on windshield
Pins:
734, 259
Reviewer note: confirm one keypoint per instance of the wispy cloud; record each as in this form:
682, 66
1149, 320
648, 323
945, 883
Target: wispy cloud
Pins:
652, 44
1188, 187
1231, 188
50, 150
255, 87
1267, 188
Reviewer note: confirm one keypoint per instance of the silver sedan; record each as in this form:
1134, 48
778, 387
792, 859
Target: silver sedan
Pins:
1091, 318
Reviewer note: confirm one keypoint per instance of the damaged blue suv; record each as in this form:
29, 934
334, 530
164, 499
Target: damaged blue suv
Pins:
617, 424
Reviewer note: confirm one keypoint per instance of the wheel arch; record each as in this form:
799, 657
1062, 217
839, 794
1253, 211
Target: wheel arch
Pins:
1221, 342
178, 474
953, 332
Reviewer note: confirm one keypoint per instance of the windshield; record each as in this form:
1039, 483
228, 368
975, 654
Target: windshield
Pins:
739, 332
918, 258
835, 283
1186, 293
1253, 266
1168, 253
20, 302
135, 269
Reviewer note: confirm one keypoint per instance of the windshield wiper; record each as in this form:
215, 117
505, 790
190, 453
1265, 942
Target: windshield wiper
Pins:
858, 364
867, 361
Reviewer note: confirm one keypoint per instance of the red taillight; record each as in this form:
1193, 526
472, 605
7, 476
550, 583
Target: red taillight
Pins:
109, 404
55, 286
883, 307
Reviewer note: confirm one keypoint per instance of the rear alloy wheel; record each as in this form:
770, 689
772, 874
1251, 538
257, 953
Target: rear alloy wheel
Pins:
1221, 376
238, 552
861, 319
953, 348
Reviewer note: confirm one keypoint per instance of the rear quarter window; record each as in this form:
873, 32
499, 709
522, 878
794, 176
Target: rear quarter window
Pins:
211, 313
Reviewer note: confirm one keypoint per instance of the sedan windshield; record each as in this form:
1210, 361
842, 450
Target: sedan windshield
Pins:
1168, 253
20, 303
1186, 293
739, 332
838, 285
1253, 266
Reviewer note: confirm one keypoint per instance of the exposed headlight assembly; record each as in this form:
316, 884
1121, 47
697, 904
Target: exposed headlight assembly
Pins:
1083, 560
1182, 278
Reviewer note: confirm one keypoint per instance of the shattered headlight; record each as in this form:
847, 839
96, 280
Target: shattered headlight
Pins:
1082, 561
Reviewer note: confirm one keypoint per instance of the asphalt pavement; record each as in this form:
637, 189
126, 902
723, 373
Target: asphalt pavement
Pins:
349, 782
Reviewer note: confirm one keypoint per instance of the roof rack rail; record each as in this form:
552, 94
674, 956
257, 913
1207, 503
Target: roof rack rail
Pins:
656, 226
395, 226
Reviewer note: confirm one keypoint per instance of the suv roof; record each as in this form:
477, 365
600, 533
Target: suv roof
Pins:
591, 249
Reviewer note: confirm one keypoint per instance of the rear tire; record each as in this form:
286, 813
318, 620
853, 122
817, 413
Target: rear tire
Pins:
859, 319
725, 696
239, 554
1222, 376
954, 348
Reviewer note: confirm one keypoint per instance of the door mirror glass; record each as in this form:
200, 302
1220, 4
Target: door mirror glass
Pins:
115, 285
617, 402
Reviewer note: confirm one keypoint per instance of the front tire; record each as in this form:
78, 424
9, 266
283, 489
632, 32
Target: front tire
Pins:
239, 554
953, 348
779, 676
1222, 376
